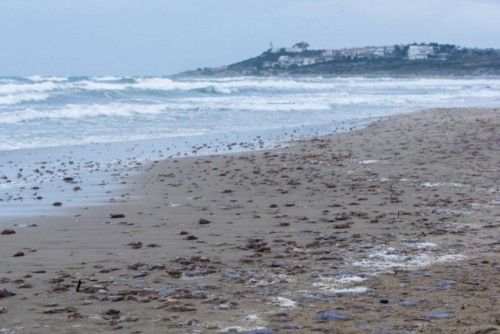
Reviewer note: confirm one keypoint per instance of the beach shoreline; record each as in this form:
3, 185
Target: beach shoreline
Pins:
392, 227
89, 174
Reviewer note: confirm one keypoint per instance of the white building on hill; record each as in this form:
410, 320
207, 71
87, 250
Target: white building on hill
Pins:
308, 61
294, 49
418, 52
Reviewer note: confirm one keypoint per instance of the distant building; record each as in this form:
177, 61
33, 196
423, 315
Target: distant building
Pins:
354, 52
294, 49
328, 53
378, 52
389, 50
267, 64
419, 52
298, 55
308, 61
299, 61
284, 59
381, 51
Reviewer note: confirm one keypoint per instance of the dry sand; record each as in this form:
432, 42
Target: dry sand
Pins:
389, 229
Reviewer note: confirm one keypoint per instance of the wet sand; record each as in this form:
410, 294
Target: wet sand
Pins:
392, 228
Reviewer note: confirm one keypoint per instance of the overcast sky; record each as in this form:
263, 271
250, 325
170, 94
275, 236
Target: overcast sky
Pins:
157, 37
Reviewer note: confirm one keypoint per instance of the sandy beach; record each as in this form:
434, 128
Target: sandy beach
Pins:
393, 228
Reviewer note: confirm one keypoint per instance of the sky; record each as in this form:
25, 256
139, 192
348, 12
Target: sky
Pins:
161, 37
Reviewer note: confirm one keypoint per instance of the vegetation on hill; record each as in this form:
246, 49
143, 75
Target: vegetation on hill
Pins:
431, 59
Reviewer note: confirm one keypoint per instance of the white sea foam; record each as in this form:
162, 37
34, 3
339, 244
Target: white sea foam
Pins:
37, 111
285, 302
7, 143
35, 78
390, 258
450, 258
250, 322
441, 184
38, 78
383, 259
74, 111
240, 329
16, 88
453, 212
368, 162
480, 88
421, 245
23, 97
107, 78
253, 318
342, 283
353, 290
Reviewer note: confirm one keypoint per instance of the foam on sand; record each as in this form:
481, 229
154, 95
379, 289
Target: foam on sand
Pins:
285, 302
368, 162
442, 184
341, 283
413, 257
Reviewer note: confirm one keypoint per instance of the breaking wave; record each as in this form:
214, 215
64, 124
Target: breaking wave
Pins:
19, 98
236, 85
80, 111
41, 109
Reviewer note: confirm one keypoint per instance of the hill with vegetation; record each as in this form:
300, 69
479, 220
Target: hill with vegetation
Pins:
430, 59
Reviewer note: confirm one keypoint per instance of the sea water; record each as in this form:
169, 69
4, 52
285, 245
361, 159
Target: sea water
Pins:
84, 127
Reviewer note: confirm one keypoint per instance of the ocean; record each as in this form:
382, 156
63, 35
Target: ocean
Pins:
86, 126
40, 112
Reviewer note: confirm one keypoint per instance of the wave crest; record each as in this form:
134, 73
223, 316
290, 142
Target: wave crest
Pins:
20, 98
80, 111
